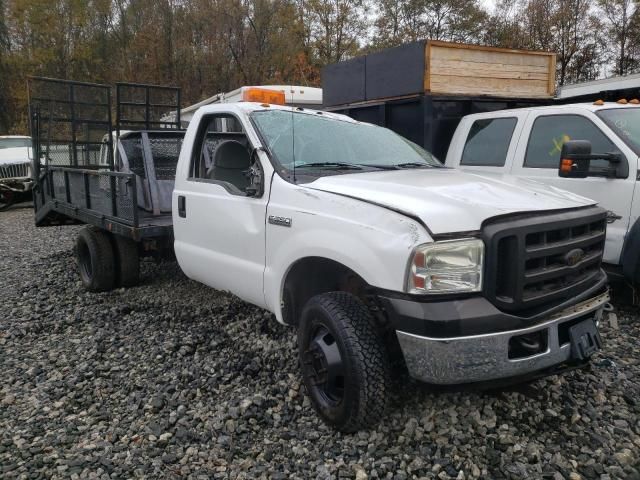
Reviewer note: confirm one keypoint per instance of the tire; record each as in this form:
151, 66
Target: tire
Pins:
96, 261
127, 261
7, 198
352, 393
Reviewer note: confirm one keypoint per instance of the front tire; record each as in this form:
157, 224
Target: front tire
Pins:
96, 261
345, 366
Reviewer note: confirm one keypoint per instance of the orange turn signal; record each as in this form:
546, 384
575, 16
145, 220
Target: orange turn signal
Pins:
263, 95
566, 165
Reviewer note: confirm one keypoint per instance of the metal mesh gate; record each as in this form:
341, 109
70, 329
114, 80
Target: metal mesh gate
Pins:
74, 121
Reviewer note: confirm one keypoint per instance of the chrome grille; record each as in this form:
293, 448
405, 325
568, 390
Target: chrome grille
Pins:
15, 170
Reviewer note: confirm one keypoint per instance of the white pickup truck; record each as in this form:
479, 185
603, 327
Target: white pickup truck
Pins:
527, 143
366, 244
15, 171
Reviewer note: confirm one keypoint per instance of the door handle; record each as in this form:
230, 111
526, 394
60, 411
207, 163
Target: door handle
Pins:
182, 206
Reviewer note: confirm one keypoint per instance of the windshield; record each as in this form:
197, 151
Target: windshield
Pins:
626, 123
14, 142
322, 143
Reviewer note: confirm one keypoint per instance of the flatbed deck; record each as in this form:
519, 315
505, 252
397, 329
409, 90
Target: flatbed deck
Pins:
105, 199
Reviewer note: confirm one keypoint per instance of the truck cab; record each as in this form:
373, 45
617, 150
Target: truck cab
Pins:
527, 144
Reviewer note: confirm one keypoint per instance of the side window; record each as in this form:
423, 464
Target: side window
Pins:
488, 142
222, 153
549, 133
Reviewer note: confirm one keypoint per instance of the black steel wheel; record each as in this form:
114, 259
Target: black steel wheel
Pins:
344, 363
325, 366
95, 258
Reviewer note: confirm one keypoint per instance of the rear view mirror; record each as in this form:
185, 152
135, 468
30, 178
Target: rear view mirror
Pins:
576, 157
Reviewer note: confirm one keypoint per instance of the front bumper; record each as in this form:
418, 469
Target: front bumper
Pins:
485, 356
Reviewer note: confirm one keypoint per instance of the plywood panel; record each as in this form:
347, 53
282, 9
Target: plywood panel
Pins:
477, 70
500, 87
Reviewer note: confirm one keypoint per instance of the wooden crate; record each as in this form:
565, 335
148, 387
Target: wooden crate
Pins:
440, 68
459, 69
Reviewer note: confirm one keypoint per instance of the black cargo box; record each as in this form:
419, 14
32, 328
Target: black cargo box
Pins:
344, 82
395, 72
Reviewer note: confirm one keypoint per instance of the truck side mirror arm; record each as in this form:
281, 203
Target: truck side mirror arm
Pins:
576, 158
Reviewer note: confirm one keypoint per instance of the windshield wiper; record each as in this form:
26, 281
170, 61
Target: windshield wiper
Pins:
381, 167
413, 165
334, 165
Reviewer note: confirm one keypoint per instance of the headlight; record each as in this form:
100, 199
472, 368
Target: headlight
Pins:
447, 267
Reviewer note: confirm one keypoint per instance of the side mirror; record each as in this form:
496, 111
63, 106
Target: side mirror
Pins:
254, 174
576, 157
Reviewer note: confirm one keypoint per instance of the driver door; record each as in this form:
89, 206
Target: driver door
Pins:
219, 230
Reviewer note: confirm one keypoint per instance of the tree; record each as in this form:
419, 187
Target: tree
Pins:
621, 25
569, 28
503, 28
399, 21
335, 29
4, 70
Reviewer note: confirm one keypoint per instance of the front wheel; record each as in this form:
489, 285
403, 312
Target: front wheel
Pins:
345, 366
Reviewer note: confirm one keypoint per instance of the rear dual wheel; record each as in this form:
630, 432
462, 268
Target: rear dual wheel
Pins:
106, 261
96, 261
345, 366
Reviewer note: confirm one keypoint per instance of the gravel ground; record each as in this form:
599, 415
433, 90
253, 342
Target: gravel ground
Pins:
171, 379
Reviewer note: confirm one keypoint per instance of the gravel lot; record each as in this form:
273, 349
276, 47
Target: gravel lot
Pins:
171, 379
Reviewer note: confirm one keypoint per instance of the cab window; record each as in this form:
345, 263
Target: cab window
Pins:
488, 142
222, 154
550, 132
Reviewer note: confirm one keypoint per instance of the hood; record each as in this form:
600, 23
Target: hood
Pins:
15, 155
448, 200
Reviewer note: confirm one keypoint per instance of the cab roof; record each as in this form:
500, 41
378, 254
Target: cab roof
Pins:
249, 107
591, 107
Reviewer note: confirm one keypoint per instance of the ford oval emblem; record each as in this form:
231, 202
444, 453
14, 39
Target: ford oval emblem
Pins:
574, 256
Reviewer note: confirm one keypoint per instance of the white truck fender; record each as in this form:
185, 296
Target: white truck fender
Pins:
374, 242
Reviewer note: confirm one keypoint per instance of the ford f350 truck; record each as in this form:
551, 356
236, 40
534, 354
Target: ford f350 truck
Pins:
529, 143
362, 241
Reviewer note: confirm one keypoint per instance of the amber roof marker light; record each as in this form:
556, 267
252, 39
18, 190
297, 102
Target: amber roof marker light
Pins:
263, 95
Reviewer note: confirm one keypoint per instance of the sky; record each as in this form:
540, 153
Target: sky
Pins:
489, 3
